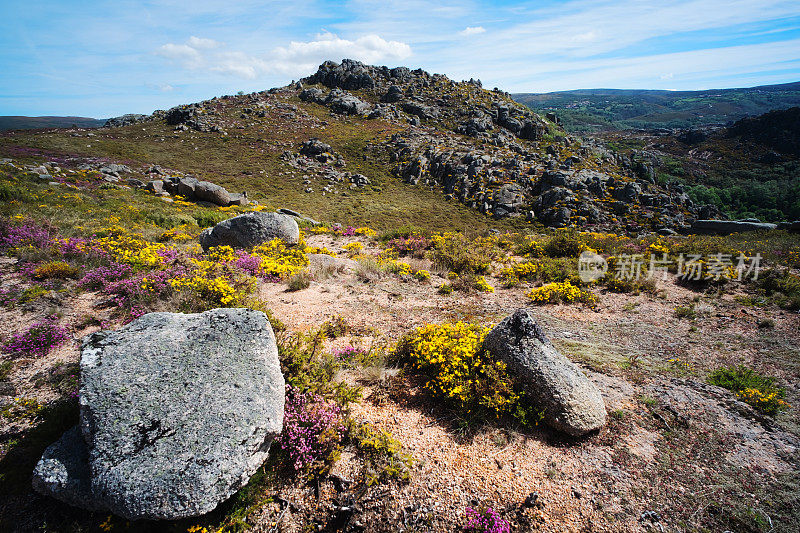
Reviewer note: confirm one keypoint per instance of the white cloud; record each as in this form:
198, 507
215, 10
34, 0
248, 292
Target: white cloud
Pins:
472, 30
203, 44
299, 58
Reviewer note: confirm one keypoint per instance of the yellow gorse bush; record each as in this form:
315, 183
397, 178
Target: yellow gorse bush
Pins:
422, 275
561, 292
353, 248
366, 232
511, 275
458, 369
482, 285
766, 401
281, 260
130, 248
217, 289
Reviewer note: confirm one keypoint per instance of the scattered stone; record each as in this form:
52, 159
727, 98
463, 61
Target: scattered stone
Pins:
571, 402
209, 192
125, 120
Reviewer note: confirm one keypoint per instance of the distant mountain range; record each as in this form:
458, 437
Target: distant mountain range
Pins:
587, 110
31, 123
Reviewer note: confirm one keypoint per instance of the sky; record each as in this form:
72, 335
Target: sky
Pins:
105, 58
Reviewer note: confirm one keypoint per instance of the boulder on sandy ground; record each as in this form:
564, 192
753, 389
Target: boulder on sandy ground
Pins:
571, 402
726, 227
177, 411
251, 229
333, 264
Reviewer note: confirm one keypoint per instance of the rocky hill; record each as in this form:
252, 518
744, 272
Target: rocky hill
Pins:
747, 170
591, 110
30, 123
779, 130
217, 318
374, 125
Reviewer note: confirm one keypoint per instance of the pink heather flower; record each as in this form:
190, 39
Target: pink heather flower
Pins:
248, 263
312, 428
25, 234
347, 353
100, 277
487, 521
38, 340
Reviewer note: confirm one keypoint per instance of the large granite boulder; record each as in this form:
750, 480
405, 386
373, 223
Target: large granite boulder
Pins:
726, 227
571, 402
210, 192
177, 411
251, 229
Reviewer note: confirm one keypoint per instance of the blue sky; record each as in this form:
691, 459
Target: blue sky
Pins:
106, 58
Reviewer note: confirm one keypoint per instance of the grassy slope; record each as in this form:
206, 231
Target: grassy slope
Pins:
249, 160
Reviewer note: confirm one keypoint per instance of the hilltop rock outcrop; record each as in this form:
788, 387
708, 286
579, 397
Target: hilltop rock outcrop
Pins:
177, 411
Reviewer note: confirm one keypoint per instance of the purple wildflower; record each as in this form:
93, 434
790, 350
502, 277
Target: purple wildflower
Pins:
487, 521
38, 340
312, 428
26, 234
249, 263
100, 277
346, 354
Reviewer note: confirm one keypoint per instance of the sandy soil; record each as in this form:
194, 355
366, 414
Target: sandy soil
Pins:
674, 451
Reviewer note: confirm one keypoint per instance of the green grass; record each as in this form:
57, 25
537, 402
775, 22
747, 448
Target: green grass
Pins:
242, 162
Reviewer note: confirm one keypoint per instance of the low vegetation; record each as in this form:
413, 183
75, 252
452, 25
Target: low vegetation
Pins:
751, 387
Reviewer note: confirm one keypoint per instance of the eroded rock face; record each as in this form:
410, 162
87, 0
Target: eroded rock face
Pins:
251, 229
726, 227
177, 411
571, 402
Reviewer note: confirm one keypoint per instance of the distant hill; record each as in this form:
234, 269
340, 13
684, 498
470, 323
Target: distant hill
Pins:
749, 169
589, 110
30, 123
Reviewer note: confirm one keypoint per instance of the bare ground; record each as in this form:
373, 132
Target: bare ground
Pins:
677, 455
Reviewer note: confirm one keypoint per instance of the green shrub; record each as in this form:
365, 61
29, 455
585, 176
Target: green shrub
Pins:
686, 311
455, 252
558, 270
55, 270
403, 232
630, 285
5, 369
300, 281
565, 243
163, 220
382, 453
9, 193
334, 327
751, 387
782, 286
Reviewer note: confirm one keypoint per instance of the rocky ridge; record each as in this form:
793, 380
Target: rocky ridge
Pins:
476, 146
